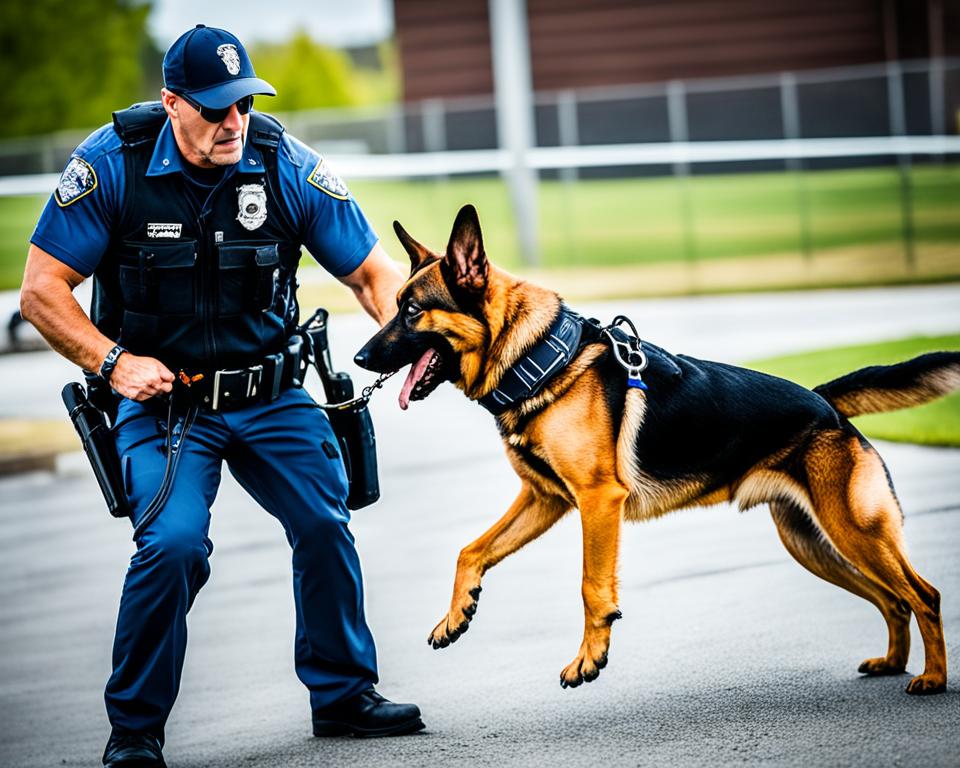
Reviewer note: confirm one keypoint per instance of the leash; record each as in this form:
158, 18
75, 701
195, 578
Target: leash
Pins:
363, 398
173, 454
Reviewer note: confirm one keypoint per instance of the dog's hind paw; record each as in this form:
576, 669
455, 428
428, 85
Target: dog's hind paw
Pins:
925, 685
881, 666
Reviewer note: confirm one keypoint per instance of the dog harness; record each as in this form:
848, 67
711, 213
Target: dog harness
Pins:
530, 373
569, 333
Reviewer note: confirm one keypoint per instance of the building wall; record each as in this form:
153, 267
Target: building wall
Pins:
445, 46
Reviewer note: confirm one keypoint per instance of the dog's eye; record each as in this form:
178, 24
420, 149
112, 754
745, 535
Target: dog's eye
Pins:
411, 309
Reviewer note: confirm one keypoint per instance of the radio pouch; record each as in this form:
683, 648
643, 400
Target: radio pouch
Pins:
349, 416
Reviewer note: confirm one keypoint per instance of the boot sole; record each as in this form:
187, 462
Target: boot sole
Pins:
336, 728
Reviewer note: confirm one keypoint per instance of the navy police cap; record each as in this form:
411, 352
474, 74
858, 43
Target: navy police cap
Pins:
212, 67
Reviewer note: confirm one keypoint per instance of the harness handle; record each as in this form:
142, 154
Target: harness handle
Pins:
628, 352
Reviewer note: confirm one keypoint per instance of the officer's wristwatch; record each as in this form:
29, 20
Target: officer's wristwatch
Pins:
110, 362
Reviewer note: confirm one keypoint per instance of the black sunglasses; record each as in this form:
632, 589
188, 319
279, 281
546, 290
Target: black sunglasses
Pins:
218, 115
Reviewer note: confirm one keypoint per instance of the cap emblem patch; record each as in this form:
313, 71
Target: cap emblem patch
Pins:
231, 59
252, 202
78, 179
323, 177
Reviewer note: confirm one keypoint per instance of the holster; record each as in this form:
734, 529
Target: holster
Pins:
90, 421
351, 423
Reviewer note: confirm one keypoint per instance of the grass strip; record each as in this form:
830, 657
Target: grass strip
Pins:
936, 423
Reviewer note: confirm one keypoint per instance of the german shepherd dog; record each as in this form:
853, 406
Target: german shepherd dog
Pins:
702, 433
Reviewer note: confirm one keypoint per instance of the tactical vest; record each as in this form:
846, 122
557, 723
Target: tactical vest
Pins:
197, 289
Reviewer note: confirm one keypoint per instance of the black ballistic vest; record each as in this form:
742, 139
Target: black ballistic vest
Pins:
216, 296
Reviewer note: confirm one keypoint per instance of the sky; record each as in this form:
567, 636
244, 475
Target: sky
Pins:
334, 22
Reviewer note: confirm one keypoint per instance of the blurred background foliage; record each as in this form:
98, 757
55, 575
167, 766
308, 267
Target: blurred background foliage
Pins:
309, 75
68, 65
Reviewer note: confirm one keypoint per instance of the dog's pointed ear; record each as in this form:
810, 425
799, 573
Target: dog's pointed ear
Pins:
466, 261
418, 253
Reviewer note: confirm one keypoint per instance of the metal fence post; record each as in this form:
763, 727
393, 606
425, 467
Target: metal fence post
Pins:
568, 129
898, 127
679, 133
790, 111
396, 128
513, 84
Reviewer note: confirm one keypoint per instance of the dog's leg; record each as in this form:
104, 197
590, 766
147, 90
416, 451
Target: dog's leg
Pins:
601, 512
530, 515
808, 546
856, 508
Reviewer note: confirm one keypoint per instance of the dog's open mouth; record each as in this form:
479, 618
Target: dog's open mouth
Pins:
425, 376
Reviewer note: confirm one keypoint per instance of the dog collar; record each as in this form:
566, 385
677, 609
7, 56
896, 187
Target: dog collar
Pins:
530, 373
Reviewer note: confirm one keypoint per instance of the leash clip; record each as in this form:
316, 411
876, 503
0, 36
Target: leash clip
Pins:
629, 352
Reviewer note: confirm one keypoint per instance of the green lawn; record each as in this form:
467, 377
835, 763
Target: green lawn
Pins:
18, 216
639, 221
936, 423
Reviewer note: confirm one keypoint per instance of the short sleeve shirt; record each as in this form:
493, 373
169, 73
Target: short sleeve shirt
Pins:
77, 223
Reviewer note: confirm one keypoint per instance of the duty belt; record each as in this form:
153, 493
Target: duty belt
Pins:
233, 389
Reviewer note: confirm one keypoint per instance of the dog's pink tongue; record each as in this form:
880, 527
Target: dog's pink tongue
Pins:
416, 373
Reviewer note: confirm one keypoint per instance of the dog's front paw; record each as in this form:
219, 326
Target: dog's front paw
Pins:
585, 668
457, 621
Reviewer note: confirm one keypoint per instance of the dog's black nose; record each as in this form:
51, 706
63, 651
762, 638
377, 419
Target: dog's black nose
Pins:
361, 358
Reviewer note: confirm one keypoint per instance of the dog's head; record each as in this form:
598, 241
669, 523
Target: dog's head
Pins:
440, 327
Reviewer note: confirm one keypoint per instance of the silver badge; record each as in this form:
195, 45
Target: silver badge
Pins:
164, 230
252, 202
324, 177
231, 59
78, 179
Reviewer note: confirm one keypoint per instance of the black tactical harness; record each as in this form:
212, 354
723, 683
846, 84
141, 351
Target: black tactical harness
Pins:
569, 334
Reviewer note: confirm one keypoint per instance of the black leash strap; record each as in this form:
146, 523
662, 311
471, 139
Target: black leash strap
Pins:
174, 451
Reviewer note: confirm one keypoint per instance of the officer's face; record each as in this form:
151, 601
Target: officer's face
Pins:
201, 142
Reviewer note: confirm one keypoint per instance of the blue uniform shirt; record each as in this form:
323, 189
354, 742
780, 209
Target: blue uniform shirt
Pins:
77, 222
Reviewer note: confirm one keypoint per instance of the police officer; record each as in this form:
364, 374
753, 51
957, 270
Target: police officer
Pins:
190, 215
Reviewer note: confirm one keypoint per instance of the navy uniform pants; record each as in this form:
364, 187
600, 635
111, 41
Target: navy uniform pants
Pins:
276, 453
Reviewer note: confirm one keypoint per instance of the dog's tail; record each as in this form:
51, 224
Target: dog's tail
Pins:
881, 388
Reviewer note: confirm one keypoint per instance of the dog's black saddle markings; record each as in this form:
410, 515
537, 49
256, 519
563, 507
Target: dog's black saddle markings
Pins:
569, 333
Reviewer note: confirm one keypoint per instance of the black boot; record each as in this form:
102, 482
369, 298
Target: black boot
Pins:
365, 715
132, 749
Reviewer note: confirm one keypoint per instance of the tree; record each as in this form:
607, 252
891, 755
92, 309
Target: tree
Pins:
307, 75
68, 64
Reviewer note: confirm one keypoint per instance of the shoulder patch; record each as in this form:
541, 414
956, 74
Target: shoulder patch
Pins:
77, 180
324, 178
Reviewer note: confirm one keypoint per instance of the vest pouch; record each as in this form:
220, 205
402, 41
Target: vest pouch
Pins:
268, 276
159, 279
249, 278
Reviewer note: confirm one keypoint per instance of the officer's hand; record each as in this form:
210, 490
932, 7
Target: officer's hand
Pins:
140, 378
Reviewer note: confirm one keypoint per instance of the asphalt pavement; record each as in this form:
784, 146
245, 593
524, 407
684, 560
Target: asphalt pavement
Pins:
728, 651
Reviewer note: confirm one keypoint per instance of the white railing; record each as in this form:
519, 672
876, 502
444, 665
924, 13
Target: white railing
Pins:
436, 164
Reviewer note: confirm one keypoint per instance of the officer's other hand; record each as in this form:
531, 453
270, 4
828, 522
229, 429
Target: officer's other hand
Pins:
140, 378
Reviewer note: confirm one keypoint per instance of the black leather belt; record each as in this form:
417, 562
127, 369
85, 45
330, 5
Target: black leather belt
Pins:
233, 389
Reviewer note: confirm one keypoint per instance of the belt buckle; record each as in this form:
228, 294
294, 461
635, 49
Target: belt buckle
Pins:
249, 381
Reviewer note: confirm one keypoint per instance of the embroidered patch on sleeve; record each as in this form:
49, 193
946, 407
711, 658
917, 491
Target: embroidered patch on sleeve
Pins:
324, 178
77, 180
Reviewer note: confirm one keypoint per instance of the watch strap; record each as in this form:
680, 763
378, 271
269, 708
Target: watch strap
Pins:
110, 362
